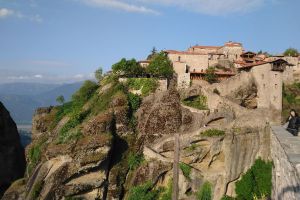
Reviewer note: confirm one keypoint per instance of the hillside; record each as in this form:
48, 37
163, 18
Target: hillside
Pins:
22, 99
116, 140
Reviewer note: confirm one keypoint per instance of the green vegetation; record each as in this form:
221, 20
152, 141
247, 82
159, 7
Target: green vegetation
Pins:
291, 52
198, 102
146, 85
227, 198
210, 75
192, 147
60, 99
36, 190
134, 101
212, 133
128, 68
291, 99
153, 53
99, 74
167, 194
34, 154
256, 182
144, 192
160, 66
205, 193
186, 170
134, 160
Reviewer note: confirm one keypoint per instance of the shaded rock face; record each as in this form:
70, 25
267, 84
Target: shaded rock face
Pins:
12, 158
161, 114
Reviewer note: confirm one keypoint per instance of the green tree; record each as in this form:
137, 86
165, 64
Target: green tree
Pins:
129, 68
99, 74
291, 52
210, 75
160, 66
153, 53
60, 99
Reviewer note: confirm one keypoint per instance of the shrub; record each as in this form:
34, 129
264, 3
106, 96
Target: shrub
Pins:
205, 193
257, 181
212, 132
36, 190
192, 147
186, 170
291, 52
85, 92
146, 85
227, 198
143, 192
134, 101
160, 66
134, 160
167, 194
198, 102
210, 75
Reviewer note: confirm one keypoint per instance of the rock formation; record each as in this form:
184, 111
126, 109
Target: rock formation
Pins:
12, 156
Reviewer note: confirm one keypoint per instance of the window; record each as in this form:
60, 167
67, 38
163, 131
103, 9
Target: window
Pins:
179, 58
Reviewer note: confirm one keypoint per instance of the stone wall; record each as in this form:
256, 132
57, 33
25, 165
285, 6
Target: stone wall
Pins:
285, 152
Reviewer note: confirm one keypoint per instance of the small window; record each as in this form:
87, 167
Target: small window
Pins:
179, 58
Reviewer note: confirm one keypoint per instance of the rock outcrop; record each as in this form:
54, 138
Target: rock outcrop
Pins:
12, 157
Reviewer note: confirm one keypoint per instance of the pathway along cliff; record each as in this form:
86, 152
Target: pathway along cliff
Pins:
12, 157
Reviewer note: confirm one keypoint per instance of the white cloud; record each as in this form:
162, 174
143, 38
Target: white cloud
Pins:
38, 76
212, 7
120, 5
5, 12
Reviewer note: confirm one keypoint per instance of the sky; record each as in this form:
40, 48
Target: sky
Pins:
62, 41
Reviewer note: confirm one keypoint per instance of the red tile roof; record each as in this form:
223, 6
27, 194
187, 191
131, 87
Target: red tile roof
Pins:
183, 52
206, 47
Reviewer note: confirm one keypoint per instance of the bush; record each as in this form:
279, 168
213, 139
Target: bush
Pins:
146, 85
160, 66
134, 101
198, 102
167, 194
128, 68
212, 132
291, 52
186, 170
36, 190
205, 193
227, 198
210, 75
257, 181
134, 160
143, 192
192, 147
85, 92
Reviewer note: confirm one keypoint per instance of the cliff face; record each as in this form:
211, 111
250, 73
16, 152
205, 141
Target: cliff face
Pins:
12, 157
102, 147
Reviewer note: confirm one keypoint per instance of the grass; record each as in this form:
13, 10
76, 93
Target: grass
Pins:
186, 170
192, 147
144, 192
34, 154
212, 133
134, 160
198, 102
167, 194
37, 188
205, 192
146, 85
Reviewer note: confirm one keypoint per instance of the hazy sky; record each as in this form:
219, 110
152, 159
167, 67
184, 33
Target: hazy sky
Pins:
66, 40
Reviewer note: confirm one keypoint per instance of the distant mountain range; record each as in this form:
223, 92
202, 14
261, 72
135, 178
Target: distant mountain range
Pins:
21, 99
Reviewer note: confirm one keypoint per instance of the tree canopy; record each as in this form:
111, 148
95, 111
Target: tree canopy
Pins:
99, 74
291, 52
160, 66
129, 68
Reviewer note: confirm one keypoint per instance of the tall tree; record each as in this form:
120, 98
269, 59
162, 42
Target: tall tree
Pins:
129, 68
160, 66
99, 74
